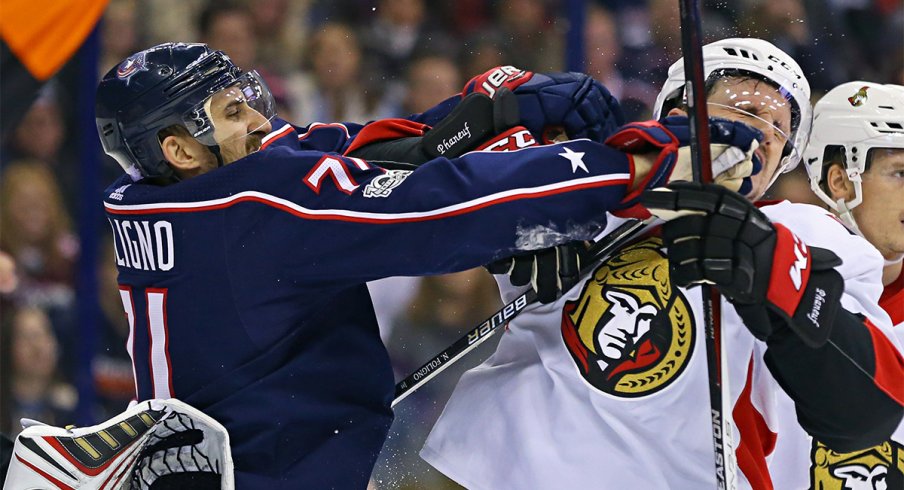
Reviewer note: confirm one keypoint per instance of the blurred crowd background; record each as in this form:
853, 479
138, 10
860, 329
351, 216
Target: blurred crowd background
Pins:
348, 60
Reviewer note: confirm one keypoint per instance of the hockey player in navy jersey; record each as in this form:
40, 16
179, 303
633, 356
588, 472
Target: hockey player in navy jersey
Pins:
606, 385
244, 242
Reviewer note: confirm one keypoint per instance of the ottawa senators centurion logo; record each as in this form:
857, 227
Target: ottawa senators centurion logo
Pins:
630, 333
877, 468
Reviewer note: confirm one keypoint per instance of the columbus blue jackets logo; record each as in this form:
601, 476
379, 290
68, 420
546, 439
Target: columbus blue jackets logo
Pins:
877, 468
132, 65
630, 333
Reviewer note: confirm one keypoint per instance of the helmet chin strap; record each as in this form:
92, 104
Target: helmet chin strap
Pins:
846, 215
215, 149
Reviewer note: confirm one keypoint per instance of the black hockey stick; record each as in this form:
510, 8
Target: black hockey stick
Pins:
598, 251
701, 164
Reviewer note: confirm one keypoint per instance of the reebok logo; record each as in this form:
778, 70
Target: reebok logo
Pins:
800, 263
818, 301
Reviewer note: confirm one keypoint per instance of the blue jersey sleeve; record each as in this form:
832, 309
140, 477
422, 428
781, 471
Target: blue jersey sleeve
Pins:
337, 219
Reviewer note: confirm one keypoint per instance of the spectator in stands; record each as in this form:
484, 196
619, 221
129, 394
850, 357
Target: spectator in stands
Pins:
35, 228
282, 31
120, 35
603, 53
532, 35
331, 89
229, 27
35, 231
399, 32
430, 80
32, 386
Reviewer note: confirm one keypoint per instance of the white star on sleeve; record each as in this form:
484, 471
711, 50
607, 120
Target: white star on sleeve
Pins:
576, 159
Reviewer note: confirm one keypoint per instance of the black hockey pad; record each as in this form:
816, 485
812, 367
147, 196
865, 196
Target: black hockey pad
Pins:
471, 123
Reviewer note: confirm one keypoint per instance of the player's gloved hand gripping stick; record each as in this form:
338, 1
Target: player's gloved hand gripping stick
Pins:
775, 281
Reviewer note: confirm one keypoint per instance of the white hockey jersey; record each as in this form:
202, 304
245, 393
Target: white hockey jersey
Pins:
800, 463
591, 392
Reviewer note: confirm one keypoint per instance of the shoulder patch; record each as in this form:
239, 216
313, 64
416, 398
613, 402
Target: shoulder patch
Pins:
382, 185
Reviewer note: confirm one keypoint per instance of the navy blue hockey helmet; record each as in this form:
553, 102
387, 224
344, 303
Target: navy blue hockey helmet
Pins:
164, 86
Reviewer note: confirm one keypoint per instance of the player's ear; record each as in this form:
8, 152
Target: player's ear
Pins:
838, 183
184, 153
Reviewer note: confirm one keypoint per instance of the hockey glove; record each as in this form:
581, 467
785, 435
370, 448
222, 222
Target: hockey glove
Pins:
549, 272
732, 145
774, 280
551, 102
155, 444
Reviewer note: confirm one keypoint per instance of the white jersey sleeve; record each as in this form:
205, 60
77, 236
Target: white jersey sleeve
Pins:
799, 462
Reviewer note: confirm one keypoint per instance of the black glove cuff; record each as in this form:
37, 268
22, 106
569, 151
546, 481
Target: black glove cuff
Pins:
815, 314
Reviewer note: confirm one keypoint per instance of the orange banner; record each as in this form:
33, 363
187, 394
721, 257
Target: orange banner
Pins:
44, 34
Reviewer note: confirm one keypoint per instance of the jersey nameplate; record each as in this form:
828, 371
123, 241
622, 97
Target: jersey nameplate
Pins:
143, 245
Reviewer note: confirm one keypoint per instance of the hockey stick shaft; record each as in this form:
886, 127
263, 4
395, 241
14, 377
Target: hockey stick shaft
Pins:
597, 252
719, 395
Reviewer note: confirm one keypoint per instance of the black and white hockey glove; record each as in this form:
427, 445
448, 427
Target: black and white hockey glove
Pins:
550, 272
773, 279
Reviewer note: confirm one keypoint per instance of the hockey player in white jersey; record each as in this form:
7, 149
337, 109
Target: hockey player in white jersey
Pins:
855, 162
606, 387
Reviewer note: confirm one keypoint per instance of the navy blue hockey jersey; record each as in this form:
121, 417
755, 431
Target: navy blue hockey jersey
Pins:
245, 287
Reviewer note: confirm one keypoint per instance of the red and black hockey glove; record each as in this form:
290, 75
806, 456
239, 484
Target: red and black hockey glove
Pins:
774, 280
553, 102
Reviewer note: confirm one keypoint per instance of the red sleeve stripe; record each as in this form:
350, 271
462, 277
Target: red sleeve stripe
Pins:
366, 217
317, 125
889, 364
757, 441
275, 135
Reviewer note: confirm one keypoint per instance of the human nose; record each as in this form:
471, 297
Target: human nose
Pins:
258, 123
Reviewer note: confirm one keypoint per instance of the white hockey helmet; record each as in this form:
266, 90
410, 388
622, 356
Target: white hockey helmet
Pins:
763, 60
856, 116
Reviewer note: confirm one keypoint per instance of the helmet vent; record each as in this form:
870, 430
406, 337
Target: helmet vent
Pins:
107, 129
742, 53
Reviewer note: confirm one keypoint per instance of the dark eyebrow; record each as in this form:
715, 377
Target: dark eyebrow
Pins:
231, 103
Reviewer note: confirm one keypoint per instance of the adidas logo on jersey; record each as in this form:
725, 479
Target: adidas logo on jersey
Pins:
116, 195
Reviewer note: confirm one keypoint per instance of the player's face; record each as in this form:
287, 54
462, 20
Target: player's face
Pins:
881, 214
758, 104
629, 322
238, 128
